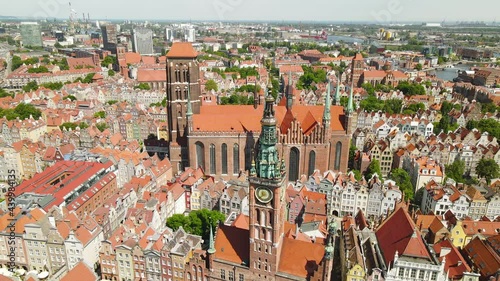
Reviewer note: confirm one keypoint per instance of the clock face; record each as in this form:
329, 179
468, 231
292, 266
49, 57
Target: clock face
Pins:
264, 195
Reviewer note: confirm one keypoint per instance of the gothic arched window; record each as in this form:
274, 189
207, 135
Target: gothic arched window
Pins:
293, 173
338, 155
312, 162
200, 155
213, 169
236, 158
224, 158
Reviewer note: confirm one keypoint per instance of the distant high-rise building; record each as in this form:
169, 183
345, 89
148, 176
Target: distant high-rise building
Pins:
169, 34
143, 41
31, 34
190, 34
109, 37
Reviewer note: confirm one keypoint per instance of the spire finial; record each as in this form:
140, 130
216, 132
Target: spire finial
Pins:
337, 92
350, 103
211, 244
326, 113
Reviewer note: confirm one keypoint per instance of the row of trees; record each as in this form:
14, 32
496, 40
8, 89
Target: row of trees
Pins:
21, 111
237, 99
486, 168
486, 125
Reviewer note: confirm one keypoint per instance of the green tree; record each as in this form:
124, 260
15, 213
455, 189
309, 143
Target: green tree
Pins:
143, 86
418, 66
100, 114
197, 222
109, 60
111, 73
4, 93
486, 125
393, 106
369, 88
73, 126
211, 85
357, 175
489, 107
310, 77
352, 154
488, 169
40, 69
414, 107
30, 86
178, 220
56, 86
373, 168
402, 179
111, 102
411, 89
372, 103
456, 171
63, 64
16, 63
101, 126
446, 107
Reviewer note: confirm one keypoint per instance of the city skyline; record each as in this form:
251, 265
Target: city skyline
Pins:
383, 11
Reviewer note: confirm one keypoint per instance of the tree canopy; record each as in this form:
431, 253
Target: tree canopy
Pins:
100, 114
109, 60
486, 125
310, 77
373, 168
72, 126
197, 222
22, 110
143, 86
402, 179
211, 85
4, 93
237, 99
488, 169
40, 69
372, 104
411, 89
456, 171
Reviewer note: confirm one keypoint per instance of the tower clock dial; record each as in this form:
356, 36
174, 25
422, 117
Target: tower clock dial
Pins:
264, 195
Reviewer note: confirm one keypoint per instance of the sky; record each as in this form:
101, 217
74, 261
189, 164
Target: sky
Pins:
381, 11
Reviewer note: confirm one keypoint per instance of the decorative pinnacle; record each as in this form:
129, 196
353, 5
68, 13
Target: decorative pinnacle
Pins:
211, 244
350, 103
328, 103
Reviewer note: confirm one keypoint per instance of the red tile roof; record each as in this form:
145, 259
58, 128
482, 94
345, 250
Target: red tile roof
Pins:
241, 118
300, 258
182, 50
151, 75
455, 263
407, 241
80, 272
231, 244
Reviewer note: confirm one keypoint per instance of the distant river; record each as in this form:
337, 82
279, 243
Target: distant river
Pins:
450, 73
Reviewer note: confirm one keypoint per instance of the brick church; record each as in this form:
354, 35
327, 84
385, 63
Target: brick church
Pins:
275, 145
223, 139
